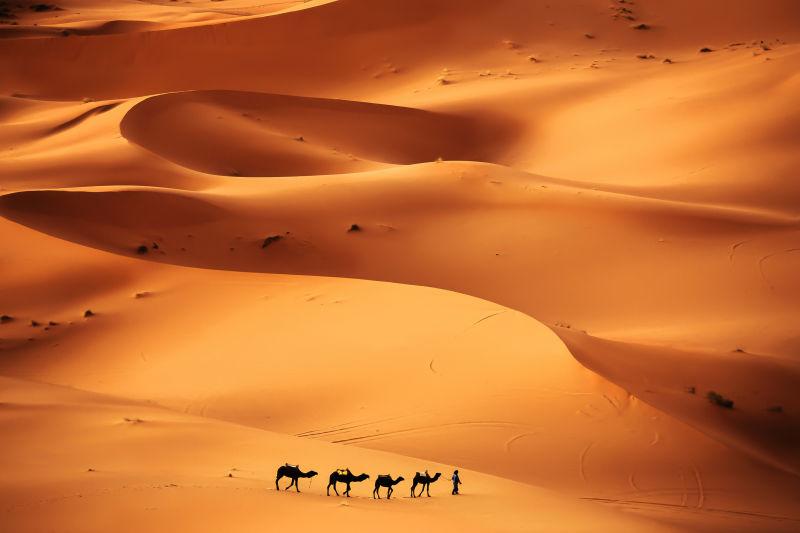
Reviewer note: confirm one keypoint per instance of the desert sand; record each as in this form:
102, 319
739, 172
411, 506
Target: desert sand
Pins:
524, 239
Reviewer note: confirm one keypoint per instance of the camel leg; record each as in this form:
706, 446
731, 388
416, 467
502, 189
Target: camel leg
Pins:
428, 489
389, 493
414, 486
276, 482
297, 484
347, 492
291, 482
377, 492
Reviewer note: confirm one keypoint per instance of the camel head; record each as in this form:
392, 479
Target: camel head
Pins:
399, 479
310, 473
362, 477
435, 477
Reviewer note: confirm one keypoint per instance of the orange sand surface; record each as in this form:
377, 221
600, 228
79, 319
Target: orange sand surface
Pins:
519, 238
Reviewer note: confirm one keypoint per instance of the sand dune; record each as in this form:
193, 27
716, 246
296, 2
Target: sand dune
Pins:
142, 470
525, 239
250, 134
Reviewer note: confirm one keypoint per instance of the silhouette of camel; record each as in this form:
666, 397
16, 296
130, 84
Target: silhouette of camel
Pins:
346, 477
385, 480
293, 472
425, 480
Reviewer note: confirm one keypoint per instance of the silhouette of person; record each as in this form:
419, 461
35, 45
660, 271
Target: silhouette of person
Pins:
456, 482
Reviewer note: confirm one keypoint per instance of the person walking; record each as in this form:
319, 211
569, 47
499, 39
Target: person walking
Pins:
456, 482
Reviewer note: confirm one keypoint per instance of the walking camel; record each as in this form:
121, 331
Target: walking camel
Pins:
425, 480
293, 472
346, 477
385, 480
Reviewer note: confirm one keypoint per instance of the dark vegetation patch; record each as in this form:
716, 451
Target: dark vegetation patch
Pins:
41, 8
271, 240
719, 400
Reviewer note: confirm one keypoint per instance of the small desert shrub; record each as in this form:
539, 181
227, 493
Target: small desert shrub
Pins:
775, 409
5, 319
719, 400
641, 26
88, 313
705, 50
141, 250
44, 7
271, 239
354, 228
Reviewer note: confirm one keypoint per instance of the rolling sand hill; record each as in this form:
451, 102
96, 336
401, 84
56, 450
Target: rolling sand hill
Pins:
524, 239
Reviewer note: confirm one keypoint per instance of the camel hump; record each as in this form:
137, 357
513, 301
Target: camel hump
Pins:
384, 475
343, 471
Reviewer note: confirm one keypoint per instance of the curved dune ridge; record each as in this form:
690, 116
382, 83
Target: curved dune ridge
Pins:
251, 134
551, 244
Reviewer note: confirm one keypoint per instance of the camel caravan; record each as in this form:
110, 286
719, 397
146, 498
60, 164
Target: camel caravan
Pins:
345, 476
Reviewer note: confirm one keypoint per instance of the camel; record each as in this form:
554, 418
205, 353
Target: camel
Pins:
346, 477
293, 472
425, 480
385, 480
